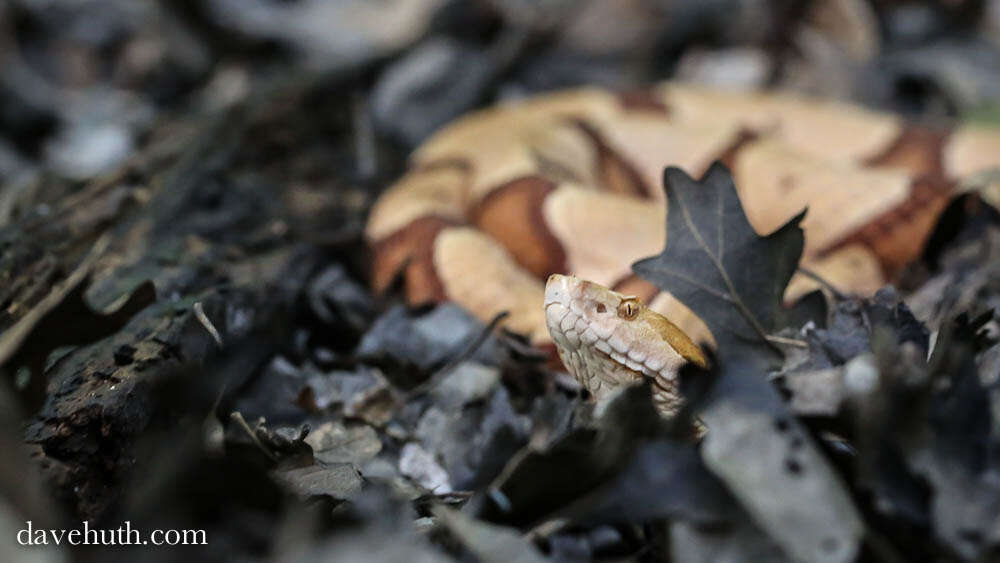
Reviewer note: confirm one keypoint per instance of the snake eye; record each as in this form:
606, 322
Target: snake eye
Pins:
628, 309
601, 308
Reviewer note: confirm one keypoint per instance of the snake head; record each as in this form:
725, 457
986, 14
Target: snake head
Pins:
607, 339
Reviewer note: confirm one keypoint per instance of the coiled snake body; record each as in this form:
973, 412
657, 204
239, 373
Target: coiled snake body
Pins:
569, 182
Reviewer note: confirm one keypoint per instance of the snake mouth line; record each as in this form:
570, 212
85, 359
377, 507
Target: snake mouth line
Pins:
660, 383
638, 375
656, 376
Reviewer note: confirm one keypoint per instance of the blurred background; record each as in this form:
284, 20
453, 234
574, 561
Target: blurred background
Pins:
86, 82
228, 151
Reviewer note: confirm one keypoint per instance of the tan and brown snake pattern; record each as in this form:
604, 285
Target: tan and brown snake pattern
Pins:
570, 183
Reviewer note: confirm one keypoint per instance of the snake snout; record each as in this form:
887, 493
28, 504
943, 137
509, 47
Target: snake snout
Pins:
557, 289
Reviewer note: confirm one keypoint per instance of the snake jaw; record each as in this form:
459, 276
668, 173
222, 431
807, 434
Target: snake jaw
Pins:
605, 349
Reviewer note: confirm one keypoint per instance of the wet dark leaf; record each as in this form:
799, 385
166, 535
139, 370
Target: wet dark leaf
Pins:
474, 441
339, 480
535, 482
336, 443
769, 462
489, 542
340, 302
966, 504
739, 541
275, 393
399, 339
664, 479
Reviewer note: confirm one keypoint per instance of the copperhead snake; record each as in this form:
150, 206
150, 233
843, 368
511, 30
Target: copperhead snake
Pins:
569, 182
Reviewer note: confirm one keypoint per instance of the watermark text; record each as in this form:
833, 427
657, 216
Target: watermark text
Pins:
122, 535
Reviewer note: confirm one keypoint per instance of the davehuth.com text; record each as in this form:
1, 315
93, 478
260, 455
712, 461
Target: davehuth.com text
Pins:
122, 535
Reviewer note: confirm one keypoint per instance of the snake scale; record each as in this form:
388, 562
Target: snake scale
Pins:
570, 182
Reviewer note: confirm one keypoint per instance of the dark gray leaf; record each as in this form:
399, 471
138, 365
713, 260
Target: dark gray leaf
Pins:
664, 479
335, 442
714, 262
771, 465
928, 443
339, 301
340, 481
473, 442
535, 483
735, 280
489, 542
426, 341
740, 541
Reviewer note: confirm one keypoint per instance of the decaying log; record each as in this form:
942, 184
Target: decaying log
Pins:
206, 220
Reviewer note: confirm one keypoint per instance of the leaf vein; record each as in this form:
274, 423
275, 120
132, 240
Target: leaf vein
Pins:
717, 262
697, 284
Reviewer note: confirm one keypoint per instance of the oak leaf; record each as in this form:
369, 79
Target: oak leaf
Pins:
731, 277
